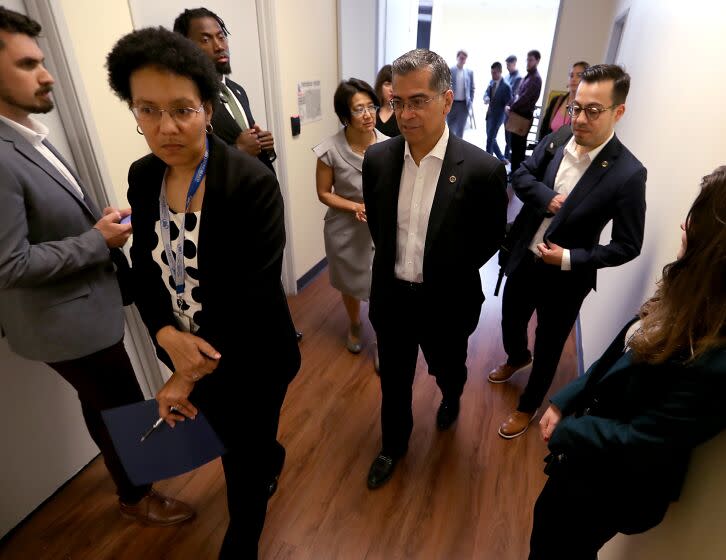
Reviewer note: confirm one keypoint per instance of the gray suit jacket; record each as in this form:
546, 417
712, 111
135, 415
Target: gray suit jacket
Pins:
59, 295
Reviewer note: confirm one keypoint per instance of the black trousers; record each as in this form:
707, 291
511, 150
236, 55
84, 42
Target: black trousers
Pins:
519, 147
105, 379
444, 346
574, 516
242, 404
556, 295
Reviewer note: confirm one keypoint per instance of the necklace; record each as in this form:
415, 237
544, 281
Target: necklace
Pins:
361, 150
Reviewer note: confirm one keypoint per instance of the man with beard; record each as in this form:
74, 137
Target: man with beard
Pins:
60, 301
232, 119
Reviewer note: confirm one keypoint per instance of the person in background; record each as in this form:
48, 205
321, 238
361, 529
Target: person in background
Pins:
620, 436
556, 115
209, 236
513, 79
338, 179
497, 97
462, 84
57, 257
386, 117
436, 208
524, 105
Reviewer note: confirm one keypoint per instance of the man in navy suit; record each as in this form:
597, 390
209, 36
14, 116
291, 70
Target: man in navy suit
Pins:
462, 84
232, 118
498, 96
572, 186
436, 209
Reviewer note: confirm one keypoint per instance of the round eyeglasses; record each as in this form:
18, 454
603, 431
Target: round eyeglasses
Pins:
592, 112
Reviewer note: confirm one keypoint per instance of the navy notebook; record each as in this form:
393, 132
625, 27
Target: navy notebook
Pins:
167, 451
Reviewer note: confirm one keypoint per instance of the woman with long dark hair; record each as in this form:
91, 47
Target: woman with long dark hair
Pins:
620, 437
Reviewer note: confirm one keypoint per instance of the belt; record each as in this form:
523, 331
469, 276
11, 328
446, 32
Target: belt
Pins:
415, 287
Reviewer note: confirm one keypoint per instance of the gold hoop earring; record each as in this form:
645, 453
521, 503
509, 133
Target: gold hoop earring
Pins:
138, 130
209, 128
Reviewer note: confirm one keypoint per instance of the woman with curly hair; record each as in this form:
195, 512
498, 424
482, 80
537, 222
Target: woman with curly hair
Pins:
207, 257
620, 437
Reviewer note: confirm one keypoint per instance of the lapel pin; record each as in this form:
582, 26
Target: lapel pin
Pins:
604, 163
452, 179
552, 145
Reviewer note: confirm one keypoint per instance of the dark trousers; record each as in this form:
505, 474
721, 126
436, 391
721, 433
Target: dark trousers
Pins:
444, 346
242, 404
457, 118
508, 143
556, 295
519, 147
576, 514
493, 126
105, 379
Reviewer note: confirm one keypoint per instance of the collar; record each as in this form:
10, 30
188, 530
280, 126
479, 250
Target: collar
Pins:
532, 72
34, 135
438, 151
589, 156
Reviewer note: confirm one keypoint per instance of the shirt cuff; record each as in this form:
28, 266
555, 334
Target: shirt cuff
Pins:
566, 265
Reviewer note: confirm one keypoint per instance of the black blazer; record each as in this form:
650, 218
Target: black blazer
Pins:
465, 228
227, 128
241, 242
631, 426
612, 188
545, 128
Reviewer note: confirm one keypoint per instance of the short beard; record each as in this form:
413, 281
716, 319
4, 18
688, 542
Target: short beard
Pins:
36, 108
223, 68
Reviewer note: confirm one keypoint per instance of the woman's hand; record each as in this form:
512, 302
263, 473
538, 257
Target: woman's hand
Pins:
175, 394
360, 212
549, 421
193, 357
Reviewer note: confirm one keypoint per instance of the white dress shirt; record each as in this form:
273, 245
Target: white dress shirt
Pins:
571, 170
460, 93
415, 198
236, 102
35, 136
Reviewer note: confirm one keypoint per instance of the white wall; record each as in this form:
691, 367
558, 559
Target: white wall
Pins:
678, 135
401, 26
492, 30
357, 45
307, 49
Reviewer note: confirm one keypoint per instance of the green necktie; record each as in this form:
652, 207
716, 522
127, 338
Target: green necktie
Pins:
228, 96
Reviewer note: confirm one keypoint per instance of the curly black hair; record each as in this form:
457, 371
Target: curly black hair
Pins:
160, 48
14, 22
181, 23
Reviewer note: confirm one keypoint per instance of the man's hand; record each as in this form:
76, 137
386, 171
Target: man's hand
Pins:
115, 234
507, 110
267, 142
193, 357
549, 421
247, 141
556, 203
175, 393
551, 253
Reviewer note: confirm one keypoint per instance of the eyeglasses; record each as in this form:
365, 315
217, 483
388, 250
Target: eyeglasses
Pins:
592, 112
371, 110
415, 104
152, 115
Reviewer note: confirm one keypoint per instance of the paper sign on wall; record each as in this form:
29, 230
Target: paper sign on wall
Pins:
308, 101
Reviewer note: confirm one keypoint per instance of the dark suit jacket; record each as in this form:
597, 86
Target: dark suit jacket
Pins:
241, 241
227, 128
631, 426
465, 228
545, 127
502, 98
59, 295
612, 188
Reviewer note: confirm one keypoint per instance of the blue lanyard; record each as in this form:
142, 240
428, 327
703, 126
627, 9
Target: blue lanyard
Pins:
176, 265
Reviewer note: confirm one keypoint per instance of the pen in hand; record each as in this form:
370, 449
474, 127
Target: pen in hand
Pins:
156, 425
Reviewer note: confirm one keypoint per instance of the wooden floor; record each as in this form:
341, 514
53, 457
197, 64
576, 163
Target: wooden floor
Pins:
465, 493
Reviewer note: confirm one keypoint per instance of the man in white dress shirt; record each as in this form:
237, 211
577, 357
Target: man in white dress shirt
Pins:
60, 301
436, 208
462, 85
576, 181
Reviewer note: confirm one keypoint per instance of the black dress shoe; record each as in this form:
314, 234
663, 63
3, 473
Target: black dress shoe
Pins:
447, 414
298, 335
381, 470
279, 462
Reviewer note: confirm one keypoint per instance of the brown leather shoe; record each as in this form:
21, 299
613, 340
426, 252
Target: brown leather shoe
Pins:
157, 509
503, 372
516, 424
